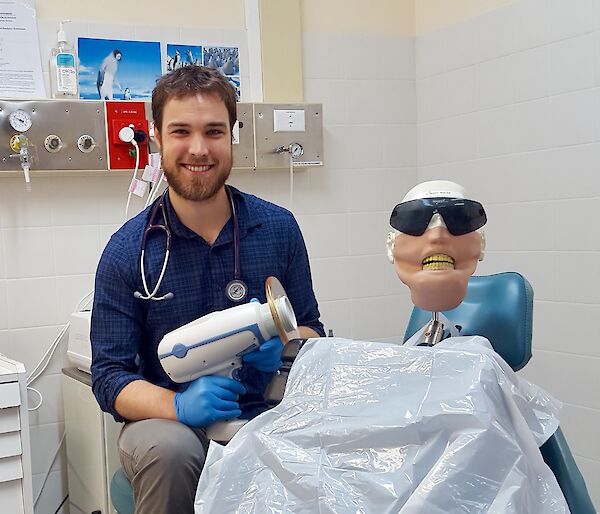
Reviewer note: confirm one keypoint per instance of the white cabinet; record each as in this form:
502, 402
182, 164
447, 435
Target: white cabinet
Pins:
16, 494
92, 454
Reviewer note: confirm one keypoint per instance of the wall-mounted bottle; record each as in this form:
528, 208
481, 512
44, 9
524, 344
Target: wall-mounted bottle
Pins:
63, 67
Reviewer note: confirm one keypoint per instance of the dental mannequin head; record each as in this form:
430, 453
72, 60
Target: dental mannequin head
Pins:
436, 263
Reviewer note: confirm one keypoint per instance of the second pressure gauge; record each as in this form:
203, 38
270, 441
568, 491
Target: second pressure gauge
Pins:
20, 120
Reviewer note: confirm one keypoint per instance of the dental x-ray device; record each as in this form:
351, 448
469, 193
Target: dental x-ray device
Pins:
215, 344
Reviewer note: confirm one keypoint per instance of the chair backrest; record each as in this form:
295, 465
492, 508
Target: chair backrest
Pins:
498, 307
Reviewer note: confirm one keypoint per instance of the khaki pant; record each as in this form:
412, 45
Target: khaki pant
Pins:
163, 460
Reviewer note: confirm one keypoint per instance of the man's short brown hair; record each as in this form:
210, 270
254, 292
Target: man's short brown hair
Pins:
190, 81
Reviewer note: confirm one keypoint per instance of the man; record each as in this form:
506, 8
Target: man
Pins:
163, 444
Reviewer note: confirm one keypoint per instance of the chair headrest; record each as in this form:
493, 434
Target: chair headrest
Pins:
498, 307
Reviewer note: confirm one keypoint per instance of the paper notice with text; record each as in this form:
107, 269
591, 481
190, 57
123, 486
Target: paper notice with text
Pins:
20, 64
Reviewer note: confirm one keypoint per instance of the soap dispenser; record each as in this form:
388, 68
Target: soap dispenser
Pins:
63, 67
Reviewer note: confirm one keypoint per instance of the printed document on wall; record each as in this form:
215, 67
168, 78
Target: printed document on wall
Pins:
20, 64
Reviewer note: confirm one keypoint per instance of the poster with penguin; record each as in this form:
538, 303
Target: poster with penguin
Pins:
226, 59
114, 69
179, 56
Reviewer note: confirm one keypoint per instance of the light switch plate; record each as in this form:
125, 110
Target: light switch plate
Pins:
289, 120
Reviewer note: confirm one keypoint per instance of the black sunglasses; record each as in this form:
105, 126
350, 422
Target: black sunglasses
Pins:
460, 216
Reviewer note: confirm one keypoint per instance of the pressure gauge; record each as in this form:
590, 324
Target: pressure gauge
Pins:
296, 150
20, 120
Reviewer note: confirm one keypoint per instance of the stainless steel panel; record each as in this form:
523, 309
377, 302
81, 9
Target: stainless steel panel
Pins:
243, 152
267, 140
69, 120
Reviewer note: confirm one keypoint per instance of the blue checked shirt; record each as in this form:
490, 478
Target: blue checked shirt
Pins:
126, 331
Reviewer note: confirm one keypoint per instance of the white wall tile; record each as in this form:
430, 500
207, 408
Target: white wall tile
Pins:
351, 147
399, 99
531, 23
373, 275
337, 316
495, 82
3, 305
579, 426
322, 56
44, 442
568, 19
31, 251
360, 54
32, 302
568, 73
581, 283
108, 195
495, 34
531, 125
574, 118
70, 290
555, 372
367, 232
430, 54
396, 184
367, 190
328, 192
564, 327
19, 208
569, 225
460, 50
398, 55
3, 253
461, 137
431, 98
399, 145
365, 101
494, 131
76, 249
332, 278
521, 226
531, 74
29, 345
373, 318
332, 94
326, 235
432, 146
461, 91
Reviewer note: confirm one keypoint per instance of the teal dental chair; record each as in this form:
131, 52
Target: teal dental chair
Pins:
500, 308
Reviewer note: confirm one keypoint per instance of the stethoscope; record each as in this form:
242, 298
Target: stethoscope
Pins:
236, 290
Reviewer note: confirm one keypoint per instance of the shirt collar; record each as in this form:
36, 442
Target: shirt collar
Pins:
248, 218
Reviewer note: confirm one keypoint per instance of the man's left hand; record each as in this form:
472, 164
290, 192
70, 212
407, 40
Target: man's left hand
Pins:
267, 357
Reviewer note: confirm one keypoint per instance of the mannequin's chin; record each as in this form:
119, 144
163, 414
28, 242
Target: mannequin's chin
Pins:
439, 290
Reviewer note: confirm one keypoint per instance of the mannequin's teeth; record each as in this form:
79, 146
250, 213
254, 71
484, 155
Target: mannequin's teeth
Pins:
438, 262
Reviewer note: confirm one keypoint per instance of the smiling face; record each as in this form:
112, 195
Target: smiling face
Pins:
436, 266
195, 142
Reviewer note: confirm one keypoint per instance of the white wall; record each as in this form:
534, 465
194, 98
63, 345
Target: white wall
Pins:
51, 239
508, 105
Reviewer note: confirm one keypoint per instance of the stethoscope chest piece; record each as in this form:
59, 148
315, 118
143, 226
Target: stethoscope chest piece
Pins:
236, 290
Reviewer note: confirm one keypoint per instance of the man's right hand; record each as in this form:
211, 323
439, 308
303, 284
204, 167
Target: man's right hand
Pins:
208, 399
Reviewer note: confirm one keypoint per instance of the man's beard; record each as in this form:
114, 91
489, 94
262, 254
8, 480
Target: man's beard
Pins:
197, 189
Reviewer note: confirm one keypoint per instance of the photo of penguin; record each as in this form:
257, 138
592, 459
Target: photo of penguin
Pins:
179, 56
226, 59
111, 69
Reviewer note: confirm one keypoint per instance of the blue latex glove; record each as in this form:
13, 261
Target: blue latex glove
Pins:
209, 399
267, 357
